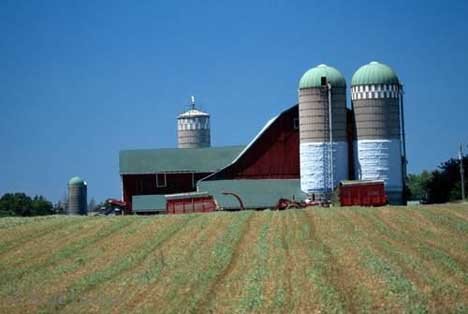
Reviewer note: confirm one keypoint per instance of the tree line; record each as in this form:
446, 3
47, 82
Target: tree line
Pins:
20, 204
438, 186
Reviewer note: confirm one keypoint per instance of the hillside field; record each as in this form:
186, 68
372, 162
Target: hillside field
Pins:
328, 260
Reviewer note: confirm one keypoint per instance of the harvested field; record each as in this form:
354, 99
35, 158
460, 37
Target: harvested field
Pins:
316, 260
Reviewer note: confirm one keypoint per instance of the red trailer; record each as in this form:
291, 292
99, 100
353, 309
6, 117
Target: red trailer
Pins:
362, 193
197, 202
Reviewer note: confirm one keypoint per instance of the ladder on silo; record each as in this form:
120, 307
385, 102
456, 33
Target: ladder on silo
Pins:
329, 166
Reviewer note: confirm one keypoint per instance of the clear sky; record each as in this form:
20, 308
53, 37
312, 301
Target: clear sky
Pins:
81, 80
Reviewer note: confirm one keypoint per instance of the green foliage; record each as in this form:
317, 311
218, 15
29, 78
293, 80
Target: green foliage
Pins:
444, 185
417, 185
19, 204
441, 185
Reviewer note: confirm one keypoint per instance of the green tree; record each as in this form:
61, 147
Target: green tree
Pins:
19, 204
41, 206
445, 183
417, 185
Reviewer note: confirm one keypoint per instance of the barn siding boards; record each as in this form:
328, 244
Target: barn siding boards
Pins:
180, 167
145, 184
272, 154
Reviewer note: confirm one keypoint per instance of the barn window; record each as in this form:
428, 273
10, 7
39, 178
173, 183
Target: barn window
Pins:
140, 186
296, 123
161, 180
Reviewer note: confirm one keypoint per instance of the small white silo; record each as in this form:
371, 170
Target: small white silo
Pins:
193, 128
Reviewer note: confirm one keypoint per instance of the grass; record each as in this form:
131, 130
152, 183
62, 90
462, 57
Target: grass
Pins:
328, 260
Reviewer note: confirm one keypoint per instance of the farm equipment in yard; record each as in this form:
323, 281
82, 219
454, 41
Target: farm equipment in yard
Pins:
362, 193
285, 203
113, 207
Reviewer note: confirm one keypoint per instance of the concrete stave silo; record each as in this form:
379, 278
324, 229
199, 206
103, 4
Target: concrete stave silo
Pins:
323, 143
193, 128
376, 94
77, 197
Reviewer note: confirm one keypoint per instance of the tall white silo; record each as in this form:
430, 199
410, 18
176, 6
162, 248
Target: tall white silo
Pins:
322, 130
379, 150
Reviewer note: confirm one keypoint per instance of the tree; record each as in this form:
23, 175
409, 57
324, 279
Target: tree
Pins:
19, 204
445, 182
417, 185
41, 206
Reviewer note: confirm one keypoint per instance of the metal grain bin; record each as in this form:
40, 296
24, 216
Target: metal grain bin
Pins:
77, 197
376, 95
323, 142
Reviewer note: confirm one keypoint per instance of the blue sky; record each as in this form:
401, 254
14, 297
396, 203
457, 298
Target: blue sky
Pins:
81, 80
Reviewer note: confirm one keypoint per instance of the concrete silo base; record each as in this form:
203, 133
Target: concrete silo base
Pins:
314, 165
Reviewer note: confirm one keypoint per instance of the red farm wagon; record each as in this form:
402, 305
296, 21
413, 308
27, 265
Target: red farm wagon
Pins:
362, 193
190, 203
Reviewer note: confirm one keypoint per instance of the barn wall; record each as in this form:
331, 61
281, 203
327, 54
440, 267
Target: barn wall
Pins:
274, 155
145, 184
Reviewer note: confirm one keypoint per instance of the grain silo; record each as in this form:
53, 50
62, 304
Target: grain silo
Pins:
77, 197
193, 128
376, 96
322, 128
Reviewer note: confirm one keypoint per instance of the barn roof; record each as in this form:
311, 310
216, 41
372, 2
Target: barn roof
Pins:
249, 146
145, 161
255, 193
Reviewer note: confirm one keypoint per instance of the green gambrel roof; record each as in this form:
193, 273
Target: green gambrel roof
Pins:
374, 73
261, 193
146, 161
313, 77
149, 203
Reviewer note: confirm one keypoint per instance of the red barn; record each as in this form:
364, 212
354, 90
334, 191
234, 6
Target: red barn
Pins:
261, 173
149, 174
265, 171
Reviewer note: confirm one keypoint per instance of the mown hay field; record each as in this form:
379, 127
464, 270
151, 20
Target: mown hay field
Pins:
328, 260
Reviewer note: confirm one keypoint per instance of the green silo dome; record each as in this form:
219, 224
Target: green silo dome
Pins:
374, 73
313, 77
76, 181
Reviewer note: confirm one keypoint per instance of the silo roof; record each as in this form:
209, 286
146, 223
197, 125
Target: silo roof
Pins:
313, 77
76, 181
374, 73
193, 113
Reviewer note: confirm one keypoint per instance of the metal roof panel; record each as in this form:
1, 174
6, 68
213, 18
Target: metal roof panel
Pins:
146, 161
259, 193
